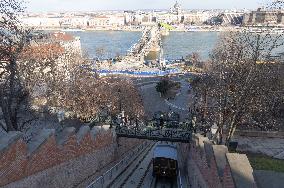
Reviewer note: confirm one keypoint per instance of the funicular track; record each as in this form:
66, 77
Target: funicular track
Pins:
140, 175
124, 178
164, 183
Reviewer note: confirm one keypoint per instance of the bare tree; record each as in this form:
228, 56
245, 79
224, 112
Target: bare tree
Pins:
48, 66
71, 84
87, 96
194, 59
276, 4
14, 37
244, 81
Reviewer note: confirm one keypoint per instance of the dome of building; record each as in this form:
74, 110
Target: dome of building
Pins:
177, 6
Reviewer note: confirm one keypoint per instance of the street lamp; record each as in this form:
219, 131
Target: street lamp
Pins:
122, 118
60, 117
119, 91
161, 121
214, 129
109, 115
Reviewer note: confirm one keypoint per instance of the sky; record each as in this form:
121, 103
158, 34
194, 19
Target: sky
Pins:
93, 5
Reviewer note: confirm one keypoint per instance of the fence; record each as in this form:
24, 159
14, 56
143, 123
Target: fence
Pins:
105, 179
137, 73
165, 134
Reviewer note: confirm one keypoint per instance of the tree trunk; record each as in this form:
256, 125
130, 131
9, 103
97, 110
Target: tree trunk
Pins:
231, 130
205, 104
7, 116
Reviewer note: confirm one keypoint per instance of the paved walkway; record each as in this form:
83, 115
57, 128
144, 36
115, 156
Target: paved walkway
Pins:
174, 106
273, 147
269, 179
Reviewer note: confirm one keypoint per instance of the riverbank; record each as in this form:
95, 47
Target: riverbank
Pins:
197, 29
141, 28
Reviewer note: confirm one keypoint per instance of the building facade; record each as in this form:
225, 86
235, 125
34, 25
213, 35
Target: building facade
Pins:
262, 17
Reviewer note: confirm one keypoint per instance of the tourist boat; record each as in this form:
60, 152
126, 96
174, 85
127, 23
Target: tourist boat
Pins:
193, 29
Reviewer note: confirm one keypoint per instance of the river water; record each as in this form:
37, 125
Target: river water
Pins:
176, 45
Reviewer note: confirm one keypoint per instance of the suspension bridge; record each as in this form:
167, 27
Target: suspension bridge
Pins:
150, 41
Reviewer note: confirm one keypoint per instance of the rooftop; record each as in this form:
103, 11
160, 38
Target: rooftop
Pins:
165, 151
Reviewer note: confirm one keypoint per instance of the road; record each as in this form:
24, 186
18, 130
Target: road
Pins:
154, 103
139, 175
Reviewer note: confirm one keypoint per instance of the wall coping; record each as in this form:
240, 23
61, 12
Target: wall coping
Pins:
266, 134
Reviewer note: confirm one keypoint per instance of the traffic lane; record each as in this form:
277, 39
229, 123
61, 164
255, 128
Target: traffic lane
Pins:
138, 80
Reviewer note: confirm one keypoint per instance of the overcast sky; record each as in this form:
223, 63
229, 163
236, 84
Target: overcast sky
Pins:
89, 5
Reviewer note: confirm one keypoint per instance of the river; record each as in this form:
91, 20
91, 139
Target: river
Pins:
176, 45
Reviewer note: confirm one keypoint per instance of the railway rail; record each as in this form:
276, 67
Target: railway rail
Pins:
128, 178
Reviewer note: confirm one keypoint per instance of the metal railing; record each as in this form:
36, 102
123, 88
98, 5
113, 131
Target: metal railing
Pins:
138, 73
179, 181
165, 134
106, 178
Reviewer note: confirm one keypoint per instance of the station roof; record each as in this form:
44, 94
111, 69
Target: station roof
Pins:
166, 151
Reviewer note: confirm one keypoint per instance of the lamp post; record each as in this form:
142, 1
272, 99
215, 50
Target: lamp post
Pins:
60, 117
161, 121
214, 129
119, 95
122, 118
136, 122
109, 115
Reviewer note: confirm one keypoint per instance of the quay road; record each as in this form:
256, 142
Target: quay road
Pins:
139, 174
175, 77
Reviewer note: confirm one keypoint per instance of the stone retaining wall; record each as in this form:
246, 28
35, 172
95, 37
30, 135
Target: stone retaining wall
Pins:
61, 160
70, 173
213, 166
